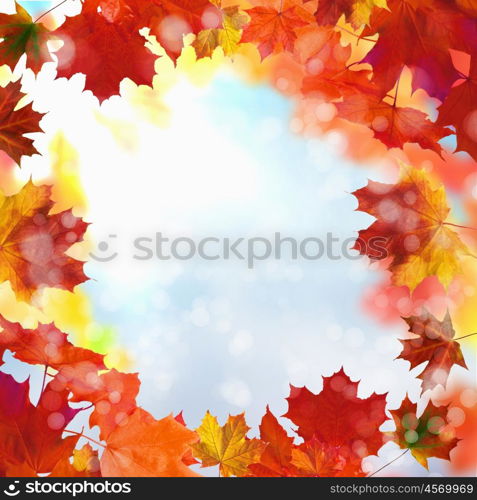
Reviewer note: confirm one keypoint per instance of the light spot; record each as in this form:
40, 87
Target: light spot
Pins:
411, 243
56, 421
411, 436
468, 398
380, 123
456, 416
435, 424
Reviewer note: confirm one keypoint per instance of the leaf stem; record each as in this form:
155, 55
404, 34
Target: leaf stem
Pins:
459, 226
50, 10
465, 336
80, 434
354, 34
389, 463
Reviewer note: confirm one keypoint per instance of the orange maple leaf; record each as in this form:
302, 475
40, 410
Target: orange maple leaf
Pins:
273, 30
165, 440
44, 345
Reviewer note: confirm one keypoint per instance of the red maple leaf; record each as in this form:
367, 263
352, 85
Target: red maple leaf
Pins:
392, 125
433, 345
419, 34
15, 123
460, 110
106, 48
337, 417
31, 436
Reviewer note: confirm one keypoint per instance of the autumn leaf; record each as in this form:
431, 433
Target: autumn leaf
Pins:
432, 344
33, 243
31, 436
316, 459
460, 110
227, 446
44, 345
428, 435
273, 30
85, 463
329, 77
329, 11
106, 48
23, 36
15, 123
226, 34
392, 125
418, 34
165, 440
410, 229
362, 10
337, 417
188, 458
113, 394
275, 460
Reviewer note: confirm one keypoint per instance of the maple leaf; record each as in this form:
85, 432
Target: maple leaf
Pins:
357, 12
329, 11
31, 436
165, 440
85, 463
460, 110
113, 394
337, 417
273, 30
419, 34
33, 243
362, 10
428, 435
329, 76
188, 458
227, 446
227, 34
275, 460
410, 229
105, 48
392, 125
316, 459
23, 36
15, 123
433, 345
45, 345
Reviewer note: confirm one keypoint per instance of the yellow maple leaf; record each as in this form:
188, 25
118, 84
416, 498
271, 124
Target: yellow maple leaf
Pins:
227, 446
362, 10
227, 36
411, 229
